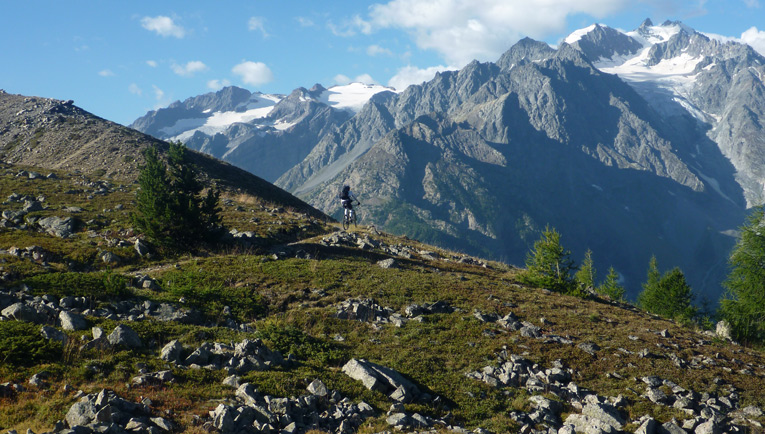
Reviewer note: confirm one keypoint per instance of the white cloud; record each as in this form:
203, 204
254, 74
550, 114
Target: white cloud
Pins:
755, 38
305, 22
163, 26
341, 79
752, 3
152, 63
135, 90
376, 50
159, 94
189, 68
218, 84
412, 75
106, 73
254, 73
162, 100
257, 23
463, 30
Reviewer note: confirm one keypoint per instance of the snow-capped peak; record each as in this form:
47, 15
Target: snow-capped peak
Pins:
351, 97
651, 34
576, 35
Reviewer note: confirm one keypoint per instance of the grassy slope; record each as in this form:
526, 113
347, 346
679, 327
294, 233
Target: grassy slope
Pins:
291, 303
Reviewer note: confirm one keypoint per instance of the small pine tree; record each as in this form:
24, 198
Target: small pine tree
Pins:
743, 305
585, 277
610, 286
171, 211
668, 295
549, 265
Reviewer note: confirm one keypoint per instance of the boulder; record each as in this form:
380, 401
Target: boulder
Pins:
605, 413
382, 379
171, 352
317, 388
81, 413
388, 263
124, 336
72, 321
49, 332
57, 226
22, 312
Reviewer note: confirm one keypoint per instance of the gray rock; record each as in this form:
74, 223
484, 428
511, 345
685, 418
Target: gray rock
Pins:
97, 332
531, 331
656, 395
171, 352
670, 428
108, 257
589, 348
49, 332
162, 423
33, 205
21, 312
647, 427
248, 394
223, 418
57, 226
605, 413
72, 321
141, 248
232, 381
388, 263
589, 425
708, 427
124, 336
381, 379
317, 388
81, 413
398, 420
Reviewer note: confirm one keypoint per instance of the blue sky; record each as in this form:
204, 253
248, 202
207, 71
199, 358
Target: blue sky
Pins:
119, 60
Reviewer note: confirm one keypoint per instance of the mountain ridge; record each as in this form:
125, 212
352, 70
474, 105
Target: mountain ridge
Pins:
664, 101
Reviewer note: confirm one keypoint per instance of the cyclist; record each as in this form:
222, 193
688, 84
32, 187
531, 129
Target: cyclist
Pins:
346, 198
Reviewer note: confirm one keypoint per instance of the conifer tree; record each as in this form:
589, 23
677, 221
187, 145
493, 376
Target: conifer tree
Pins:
585, 277
549, 265
743, 305
668, 295
610, 286
172, 213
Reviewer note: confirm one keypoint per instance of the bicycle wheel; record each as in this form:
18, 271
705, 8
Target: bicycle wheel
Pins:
346, 221
353, 219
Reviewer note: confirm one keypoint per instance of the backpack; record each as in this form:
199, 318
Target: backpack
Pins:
344, 195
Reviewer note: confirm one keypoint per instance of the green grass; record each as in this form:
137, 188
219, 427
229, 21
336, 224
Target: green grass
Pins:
291, 303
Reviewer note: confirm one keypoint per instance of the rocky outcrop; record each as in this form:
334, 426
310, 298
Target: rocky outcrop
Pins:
247, 355
382, 379
596, 414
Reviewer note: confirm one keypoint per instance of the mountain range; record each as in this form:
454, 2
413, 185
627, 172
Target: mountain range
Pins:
630, 144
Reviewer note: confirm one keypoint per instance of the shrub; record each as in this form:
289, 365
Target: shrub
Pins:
21, 344
290, 340
100, 286
208, 293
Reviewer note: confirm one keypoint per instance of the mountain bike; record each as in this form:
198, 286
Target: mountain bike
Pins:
349, 218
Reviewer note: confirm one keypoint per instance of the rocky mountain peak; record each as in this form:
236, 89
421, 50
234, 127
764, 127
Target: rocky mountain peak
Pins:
525, 50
